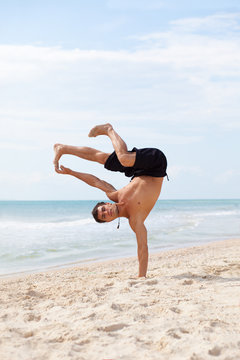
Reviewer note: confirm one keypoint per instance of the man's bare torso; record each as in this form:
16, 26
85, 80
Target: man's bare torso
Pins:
139, 196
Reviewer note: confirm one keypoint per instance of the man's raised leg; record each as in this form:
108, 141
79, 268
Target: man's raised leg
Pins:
83, 152
126, 159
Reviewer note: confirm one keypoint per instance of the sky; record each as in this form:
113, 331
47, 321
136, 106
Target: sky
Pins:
164, 73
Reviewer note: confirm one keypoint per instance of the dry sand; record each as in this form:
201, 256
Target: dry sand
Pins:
187, 308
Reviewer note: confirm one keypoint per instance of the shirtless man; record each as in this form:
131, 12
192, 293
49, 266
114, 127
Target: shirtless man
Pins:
147, 167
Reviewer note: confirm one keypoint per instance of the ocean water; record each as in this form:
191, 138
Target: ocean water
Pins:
37, 235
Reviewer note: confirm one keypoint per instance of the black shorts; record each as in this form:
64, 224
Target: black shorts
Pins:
149, 161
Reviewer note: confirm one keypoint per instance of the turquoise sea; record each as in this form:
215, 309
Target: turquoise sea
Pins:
37, 235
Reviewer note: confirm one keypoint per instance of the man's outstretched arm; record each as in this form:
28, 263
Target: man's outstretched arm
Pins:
88, 179
141, 235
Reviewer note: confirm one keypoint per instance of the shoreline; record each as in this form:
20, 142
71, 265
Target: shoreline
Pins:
186, 308
88, 262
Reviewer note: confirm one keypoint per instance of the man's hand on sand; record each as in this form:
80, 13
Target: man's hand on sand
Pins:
63, 170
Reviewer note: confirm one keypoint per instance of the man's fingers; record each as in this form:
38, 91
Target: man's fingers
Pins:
61, 170
64, 169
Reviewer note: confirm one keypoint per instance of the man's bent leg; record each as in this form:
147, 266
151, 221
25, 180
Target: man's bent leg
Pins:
126, 159
83, 152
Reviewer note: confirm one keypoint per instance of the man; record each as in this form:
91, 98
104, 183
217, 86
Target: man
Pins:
147, 167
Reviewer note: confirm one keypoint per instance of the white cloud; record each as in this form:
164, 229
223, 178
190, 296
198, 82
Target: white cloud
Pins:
198, 54
216, 23
183, 46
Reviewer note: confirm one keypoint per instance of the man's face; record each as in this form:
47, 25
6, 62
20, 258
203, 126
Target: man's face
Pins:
107, 212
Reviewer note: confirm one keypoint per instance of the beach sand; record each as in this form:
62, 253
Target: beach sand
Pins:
187, 308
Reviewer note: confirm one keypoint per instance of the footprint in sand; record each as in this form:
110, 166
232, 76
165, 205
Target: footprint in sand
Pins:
177, 333
83, 342
112, 274
173, 333
32, 317
147, 282
113, 327
175, 310
25, 334
132, 283
187, 282
116, 307
33, 293
78, 346
91, 316
58, 339
184, 331
28, 334
216, 351
151, 282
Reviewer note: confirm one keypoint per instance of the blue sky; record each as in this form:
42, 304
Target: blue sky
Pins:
166, 74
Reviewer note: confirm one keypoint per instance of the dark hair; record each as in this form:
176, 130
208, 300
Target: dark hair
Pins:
95, 212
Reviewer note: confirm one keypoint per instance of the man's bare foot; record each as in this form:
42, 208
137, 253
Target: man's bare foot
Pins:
100, 130
58, 150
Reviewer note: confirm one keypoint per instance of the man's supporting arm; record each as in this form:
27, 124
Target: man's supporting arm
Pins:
88, 179
141, 235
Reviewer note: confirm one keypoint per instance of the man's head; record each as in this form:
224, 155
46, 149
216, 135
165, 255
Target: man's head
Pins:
105, 212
